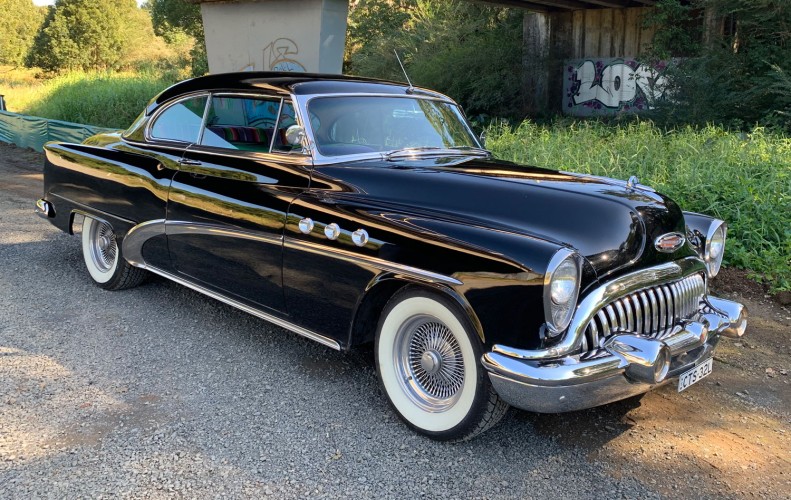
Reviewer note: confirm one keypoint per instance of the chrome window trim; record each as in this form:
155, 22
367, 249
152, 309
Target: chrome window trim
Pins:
155, 116
277, 122
599, 297
303, 100
202, 131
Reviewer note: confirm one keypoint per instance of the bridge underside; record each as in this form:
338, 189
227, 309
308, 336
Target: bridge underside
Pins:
547, 6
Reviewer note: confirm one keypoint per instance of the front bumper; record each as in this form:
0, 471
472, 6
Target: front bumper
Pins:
630, 364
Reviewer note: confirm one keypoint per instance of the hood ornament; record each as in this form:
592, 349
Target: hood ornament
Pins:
670, 242
632, 183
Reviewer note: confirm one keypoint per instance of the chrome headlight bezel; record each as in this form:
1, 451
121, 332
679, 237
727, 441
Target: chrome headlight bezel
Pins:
558, 315
711, 256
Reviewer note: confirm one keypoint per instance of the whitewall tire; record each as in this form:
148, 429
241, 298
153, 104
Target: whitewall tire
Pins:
102, 254
427, 358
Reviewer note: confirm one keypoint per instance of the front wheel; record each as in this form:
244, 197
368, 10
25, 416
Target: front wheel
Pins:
103, 258
427, 358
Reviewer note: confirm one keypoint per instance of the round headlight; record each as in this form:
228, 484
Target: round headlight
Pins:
715, 247
564, 282
561, 288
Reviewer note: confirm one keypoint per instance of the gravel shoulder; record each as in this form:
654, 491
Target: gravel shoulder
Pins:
159, 392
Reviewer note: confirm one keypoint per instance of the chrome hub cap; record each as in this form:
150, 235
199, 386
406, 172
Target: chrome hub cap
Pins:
104, 249
430, 364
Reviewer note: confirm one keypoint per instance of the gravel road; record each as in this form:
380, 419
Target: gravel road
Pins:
161, 392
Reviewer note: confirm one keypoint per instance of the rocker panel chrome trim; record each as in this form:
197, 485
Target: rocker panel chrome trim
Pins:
250, 310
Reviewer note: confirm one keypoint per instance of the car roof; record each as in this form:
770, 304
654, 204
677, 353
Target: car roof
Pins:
286, 83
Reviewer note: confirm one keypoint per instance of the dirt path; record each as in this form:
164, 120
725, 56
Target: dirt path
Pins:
729, 436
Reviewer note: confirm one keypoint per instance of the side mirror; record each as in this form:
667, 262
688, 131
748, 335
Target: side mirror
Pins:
295, 135
483, 138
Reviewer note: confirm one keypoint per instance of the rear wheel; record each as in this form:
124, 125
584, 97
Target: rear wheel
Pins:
103, 259
427, 358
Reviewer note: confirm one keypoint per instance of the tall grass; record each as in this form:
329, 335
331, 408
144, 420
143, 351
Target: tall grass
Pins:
744, 179
110, 100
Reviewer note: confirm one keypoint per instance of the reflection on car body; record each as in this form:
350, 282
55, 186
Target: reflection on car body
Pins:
356, 211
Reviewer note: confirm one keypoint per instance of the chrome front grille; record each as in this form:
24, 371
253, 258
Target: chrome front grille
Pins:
652, 312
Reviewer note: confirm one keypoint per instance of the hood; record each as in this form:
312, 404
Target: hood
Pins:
610, 225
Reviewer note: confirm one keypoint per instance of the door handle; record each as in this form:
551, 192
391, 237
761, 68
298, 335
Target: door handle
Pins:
189, 163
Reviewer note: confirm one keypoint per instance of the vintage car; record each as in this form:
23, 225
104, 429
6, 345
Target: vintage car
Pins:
355, 211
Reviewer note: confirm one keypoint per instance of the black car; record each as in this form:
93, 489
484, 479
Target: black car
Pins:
356, 211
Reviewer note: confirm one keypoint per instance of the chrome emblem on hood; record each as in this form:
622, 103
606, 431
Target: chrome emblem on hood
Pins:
670, 242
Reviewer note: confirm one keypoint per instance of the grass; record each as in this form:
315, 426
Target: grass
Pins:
744, 179
111, 100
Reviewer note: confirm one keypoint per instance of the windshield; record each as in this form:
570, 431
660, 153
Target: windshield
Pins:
362, 124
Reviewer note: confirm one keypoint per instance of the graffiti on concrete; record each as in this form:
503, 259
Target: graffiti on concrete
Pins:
612, 86
280, 56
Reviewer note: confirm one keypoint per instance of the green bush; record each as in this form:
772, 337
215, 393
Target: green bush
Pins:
737, 74
469, 51
744, 179
110, 100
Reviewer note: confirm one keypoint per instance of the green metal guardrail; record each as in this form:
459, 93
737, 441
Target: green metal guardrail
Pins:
33, 132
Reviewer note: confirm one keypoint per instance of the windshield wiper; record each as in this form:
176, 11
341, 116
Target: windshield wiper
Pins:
453, 150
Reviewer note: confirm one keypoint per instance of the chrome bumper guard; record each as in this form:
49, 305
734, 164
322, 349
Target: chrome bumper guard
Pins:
631, 365
44, 209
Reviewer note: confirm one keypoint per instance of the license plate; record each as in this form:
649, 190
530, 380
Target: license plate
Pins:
695, 375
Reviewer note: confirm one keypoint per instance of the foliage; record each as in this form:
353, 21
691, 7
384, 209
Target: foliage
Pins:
103, 99
735, 71
470, 51
19, 22
89, 35
176, 19
744, 179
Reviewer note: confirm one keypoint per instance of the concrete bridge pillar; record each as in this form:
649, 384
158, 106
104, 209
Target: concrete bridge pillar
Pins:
275, 35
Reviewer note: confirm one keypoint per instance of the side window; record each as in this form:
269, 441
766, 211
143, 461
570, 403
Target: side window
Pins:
181, 121
241, 123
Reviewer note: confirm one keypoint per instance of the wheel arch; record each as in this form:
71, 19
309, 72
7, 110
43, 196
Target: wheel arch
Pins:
382, 288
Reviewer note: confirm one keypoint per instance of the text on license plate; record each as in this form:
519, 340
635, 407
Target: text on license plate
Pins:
695, 375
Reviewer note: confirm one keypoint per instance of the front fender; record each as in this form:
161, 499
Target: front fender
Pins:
501, 274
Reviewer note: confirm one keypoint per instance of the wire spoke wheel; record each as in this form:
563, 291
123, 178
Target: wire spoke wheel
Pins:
104, 259
103, 246
429, 360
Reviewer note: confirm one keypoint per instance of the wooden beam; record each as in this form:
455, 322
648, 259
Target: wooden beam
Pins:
563, 4
613, 4
531, 6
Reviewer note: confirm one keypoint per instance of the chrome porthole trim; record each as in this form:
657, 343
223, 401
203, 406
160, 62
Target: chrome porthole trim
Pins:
360, 237
332, 231
306, 225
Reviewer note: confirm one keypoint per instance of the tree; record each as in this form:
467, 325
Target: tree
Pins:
466, 50
85, 34
19, 22
175, 19
733, 67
